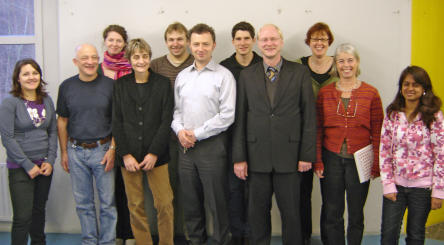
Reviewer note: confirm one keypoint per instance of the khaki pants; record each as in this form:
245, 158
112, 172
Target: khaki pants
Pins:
159, 183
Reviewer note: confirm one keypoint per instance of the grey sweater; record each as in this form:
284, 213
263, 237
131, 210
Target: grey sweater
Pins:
22, 140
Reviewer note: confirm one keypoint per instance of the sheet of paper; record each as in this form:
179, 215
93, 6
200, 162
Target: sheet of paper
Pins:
364, 162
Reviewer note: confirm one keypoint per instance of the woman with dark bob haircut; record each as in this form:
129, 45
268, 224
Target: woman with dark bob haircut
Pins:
411, 157
29, 135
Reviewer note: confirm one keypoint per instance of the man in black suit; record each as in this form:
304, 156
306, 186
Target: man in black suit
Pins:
274, 137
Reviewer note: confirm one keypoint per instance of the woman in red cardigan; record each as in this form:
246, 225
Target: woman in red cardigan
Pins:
350, 116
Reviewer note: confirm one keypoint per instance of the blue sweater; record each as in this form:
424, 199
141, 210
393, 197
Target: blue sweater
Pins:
23, 141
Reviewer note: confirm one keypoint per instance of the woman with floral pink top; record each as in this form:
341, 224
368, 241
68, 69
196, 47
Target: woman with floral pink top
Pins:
411, 157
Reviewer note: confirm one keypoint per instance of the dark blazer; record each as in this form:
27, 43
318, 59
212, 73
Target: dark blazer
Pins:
275, 137
142, 126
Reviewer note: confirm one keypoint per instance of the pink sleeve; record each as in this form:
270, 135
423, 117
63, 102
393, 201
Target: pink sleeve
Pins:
437, 140
385, 156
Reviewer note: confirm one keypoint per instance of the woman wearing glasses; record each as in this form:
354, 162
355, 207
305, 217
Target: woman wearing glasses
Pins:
349, 118
318, 38
411, 157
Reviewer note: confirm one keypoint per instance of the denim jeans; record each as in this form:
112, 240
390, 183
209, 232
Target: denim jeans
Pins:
28, 198
417, 200
84, 165
340, 177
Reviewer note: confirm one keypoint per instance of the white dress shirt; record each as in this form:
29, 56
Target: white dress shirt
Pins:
204, 100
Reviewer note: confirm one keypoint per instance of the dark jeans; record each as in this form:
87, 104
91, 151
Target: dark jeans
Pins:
342, 177
28, 198
123, 227
305, 205
417, 200
323, 218
203, 178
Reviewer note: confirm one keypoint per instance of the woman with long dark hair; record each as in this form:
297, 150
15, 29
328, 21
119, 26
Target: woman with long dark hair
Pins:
29, 135
411, 157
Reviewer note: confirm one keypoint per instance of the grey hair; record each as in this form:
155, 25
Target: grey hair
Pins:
348, 49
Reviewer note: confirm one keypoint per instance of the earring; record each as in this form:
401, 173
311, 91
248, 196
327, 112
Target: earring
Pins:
423, 93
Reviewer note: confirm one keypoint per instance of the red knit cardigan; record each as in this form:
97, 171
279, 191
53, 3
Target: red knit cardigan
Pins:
360, 127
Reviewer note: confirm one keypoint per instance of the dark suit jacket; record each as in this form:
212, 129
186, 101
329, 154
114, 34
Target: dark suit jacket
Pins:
275, 137
142, 126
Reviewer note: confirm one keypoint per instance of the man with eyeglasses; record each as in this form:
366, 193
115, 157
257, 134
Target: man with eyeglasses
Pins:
87, 148
274, 137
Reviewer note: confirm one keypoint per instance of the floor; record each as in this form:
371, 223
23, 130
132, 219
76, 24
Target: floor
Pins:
74, 239
436, 232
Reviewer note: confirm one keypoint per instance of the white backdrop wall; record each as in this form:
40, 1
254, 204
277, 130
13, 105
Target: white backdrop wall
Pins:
380, 30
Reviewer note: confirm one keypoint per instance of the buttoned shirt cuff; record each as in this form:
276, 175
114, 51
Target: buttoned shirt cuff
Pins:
199, 133
438, 193
389, 188
176, 128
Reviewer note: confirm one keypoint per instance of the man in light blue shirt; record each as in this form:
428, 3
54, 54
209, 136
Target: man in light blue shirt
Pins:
205, 95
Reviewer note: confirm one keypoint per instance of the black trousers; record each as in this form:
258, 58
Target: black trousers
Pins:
238, 203
203, 177
123, 227
305, 204
174, 182
28, 197
286, 187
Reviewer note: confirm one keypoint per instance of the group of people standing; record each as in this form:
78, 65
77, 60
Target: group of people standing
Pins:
220, 139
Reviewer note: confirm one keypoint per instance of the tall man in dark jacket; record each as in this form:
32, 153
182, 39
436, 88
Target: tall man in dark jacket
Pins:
274, 137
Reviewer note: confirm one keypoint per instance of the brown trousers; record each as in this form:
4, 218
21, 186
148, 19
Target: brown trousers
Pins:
159, 183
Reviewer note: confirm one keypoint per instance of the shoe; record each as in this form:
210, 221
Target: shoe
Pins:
307, 241
236, 240
130, 242
119, 241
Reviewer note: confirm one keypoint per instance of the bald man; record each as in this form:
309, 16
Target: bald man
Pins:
87, 149
274, 137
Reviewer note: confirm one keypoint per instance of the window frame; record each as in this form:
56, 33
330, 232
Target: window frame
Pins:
35, 39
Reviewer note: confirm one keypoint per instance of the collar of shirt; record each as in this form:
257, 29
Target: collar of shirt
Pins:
210, 66
277, 67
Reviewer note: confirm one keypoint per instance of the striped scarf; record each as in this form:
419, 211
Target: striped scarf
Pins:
117, 63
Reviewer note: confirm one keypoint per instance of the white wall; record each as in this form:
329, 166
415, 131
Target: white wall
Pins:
380, 29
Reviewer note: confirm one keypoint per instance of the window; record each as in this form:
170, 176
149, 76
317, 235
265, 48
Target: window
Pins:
20, 37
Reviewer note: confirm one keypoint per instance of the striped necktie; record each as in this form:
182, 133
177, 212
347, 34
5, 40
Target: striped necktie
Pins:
271, 73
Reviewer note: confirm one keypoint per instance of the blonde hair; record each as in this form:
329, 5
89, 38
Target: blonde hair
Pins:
137, 44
